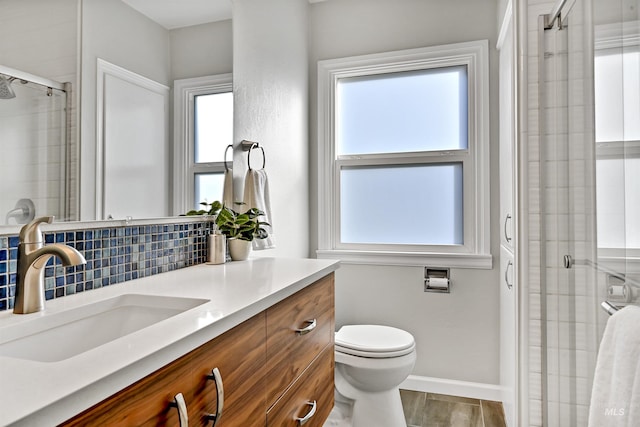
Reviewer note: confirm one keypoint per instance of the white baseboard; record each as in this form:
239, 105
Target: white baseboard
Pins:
453, 387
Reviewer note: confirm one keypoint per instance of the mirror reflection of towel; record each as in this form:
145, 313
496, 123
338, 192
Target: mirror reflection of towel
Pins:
256, 195
227, 189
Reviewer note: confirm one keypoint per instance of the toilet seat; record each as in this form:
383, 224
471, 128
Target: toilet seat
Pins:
373, 341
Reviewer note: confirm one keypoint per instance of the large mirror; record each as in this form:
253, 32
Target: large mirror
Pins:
62, 41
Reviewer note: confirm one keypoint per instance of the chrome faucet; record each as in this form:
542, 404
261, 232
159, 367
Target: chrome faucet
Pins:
32, 258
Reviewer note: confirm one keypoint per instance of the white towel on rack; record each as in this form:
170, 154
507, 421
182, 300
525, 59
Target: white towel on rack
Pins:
256, 195
615, 397
227, 189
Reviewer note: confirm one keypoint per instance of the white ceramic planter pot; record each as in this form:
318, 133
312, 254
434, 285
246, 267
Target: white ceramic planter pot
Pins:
239, 249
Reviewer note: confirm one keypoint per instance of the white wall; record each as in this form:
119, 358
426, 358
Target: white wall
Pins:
40, 37
457, 334
124, 37
201, 50
270, 84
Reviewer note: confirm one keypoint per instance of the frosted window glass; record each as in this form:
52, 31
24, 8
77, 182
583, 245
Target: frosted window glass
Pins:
402, 204
213, 128
208, 188
421, 110
617, 96
618, 218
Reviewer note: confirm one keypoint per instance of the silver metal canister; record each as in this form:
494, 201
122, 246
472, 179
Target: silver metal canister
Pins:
217, 248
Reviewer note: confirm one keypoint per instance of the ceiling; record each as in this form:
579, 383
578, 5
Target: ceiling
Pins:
182, 13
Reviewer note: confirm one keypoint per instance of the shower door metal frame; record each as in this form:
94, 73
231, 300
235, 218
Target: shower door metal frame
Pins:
22, 75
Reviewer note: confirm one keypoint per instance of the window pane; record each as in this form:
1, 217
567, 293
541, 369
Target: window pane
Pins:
617, 95
421, 110
402, 204
213, 127
208, 188
618, 218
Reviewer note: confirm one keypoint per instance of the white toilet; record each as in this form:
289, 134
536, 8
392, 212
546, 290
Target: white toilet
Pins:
371, 362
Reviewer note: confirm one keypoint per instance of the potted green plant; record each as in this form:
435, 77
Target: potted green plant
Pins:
211, 209
240, 229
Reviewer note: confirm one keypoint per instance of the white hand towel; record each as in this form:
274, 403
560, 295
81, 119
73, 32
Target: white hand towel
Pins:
615, 397
227, 189
256, 195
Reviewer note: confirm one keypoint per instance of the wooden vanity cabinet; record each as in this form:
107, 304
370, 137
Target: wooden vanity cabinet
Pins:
314, 386
300, 355
271, 373
239, 355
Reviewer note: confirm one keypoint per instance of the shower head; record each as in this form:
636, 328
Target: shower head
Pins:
5, 88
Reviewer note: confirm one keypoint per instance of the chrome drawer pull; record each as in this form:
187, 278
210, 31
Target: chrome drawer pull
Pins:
217, 379
179, 403
310, 327
506, 275
310, 414
506, 232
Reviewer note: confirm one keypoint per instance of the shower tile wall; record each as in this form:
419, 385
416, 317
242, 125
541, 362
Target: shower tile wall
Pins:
559, 213
26, 24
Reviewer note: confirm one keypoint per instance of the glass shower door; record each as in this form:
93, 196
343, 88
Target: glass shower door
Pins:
590, 199
568, 253
33, 167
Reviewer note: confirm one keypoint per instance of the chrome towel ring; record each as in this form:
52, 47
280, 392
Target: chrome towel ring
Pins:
264, 159
226, 166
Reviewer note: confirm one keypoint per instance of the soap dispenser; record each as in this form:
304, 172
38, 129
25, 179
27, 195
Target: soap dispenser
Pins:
217, 248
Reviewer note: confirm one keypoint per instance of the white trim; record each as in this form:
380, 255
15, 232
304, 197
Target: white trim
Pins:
184, 91
477, 201
104, 69
453, 388
90, 225
504, 27
523, 232
508, 129
608, 36
414, 259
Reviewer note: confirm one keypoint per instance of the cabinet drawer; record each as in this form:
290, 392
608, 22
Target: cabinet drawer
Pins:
239, 355
144, 403
288, 351
315, 384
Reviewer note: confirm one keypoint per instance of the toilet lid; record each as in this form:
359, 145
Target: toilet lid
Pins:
374, 341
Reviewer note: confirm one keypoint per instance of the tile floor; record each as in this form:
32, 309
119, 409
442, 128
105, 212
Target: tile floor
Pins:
437, 410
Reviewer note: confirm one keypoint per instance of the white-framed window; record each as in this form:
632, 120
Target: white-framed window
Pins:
203, 110
403, 150
617, 145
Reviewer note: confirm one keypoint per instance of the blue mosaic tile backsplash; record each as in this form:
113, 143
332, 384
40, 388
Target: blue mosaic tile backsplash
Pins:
113, 255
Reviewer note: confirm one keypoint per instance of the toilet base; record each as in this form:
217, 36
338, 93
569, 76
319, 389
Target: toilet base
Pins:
340, 415
378, 409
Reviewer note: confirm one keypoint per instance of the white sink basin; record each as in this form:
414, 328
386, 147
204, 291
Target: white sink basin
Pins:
59, 336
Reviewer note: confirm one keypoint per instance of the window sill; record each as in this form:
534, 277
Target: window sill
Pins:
619, 265
415, 259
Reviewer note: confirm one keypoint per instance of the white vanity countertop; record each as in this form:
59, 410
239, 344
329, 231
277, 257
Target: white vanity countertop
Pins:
47, 393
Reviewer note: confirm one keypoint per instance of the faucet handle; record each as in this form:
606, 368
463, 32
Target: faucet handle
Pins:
31, 232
